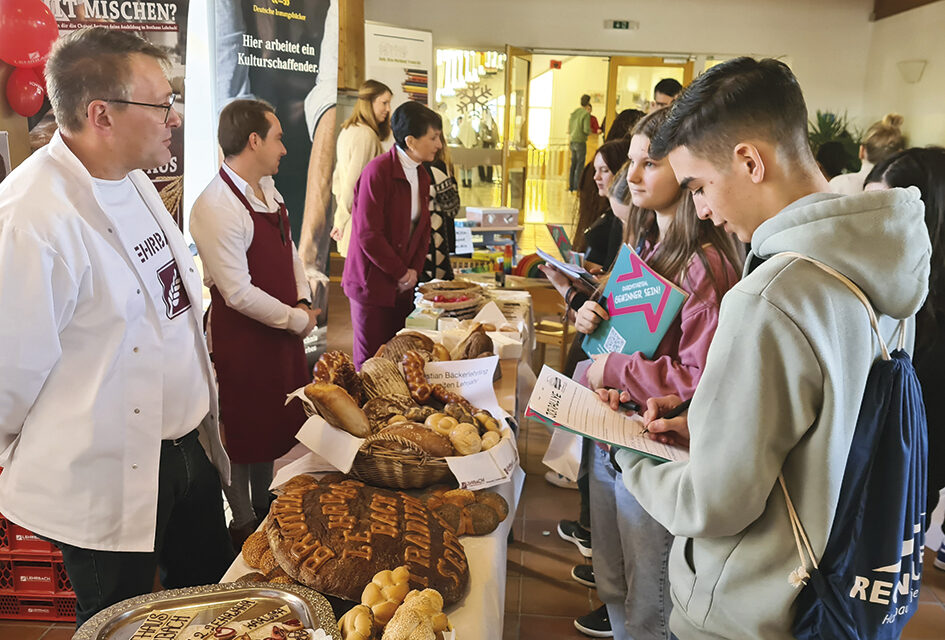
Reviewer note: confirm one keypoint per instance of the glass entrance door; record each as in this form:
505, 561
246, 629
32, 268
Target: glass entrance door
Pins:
631, 79
515, 129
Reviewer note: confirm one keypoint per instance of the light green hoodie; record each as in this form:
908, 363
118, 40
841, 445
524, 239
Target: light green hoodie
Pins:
781, 391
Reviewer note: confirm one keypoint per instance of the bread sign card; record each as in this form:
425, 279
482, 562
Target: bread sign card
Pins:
642, 305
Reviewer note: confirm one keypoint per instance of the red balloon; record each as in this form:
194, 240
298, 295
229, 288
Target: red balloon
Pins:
24, 92
40, 72
27, 32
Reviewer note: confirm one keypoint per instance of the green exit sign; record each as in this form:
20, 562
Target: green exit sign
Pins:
624, 25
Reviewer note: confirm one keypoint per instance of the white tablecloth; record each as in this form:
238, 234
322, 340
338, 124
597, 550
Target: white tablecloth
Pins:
479, 615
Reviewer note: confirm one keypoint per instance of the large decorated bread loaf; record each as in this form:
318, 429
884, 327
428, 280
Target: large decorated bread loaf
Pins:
335, 534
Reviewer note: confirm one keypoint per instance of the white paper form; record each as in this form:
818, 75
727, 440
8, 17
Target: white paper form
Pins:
568, 405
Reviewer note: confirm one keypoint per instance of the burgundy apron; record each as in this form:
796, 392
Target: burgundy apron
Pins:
258, 365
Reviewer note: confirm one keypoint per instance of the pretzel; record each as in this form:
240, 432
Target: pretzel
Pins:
446, 396
420, 389
336, 367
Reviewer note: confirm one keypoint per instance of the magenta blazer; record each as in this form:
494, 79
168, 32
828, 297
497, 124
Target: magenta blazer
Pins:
382, 247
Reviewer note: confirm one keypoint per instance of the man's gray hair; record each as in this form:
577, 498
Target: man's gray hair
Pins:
92, 64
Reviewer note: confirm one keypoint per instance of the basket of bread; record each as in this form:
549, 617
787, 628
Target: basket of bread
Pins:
409, 426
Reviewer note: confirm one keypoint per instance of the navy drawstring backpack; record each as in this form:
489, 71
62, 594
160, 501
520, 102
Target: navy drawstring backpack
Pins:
866, 585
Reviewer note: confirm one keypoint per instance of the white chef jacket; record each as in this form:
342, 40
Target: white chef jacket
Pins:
81, 361
223, 230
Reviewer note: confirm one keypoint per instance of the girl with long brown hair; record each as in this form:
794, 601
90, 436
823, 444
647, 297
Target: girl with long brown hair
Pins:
364, 136
630, 547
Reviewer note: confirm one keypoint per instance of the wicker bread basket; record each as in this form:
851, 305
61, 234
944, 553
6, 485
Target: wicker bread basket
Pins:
408, 468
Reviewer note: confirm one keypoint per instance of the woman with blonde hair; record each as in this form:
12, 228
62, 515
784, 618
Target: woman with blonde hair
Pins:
669, 229
882, 139
363, 137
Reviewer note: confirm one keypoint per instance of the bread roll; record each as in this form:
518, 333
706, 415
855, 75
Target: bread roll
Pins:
496, 502
476, 344
465, 439
254, 547
385, 592
440, 353
338, 408
381, 409
357, 623
490, 439
381, 377
420, 617
458, 411
486, 422
441, 423
419, 414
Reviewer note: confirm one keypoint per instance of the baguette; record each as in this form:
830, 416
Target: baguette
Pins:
338, 408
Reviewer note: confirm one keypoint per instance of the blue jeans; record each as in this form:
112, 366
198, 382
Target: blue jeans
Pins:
631, 551
578, 152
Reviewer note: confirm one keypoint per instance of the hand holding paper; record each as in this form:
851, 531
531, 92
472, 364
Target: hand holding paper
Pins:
565, 404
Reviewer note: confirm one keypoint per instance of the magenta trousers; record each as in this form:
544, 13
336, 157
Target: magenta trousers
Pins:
374, 325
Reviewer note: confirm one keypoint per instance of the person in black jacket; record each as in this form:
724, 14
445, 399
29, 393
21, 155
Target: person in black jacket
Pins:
925, 169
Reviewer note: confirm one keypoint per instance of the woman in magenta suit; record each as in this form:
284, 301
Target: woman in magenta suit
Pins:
390, 230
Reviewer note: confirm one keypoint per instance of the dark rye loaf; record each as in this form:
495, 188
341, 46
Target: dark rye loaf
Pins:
335, 533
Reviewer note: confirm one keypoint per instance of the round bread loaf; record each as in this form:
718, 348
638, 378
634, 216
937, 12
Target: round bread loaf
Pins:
334, 536
400, 344
382, 377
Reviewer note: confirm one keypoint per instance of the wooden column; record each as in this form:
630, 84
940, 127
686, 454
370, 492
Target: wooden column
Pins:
350, 44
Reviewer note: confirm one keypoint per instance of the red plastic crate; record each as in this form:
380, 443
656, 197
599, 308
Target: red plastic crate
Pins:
33, 575
15, 539
58, 608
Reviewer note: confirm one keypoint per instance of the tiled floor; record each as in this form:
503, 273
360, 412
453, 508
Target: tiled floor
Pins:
541, 599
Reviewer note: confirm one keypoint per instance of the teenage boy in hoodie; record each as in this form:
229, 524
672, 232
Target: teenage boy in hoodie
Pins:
787, 368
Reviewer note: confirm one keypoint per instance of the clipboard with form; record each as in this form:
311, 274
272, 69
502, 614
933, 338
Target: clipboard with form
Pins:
565, 404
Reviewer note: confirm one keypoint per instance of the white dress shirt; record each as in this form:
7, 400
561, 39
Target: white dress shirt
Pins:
410, 170
223, 231
82, 360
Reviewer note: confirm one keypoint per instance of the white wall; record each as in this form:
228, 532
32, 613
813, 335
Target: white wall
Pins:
915, 34
826, 41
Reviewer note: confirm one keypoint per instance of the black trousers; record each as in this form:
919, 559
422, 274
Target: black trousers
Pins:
192, 545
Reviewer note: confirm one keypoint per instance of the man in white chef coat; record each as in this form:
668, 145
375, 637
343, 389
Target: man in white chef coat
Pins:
108, 419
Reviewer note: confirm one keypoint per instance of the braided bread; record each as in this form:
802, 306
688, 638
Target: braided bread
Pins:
385, 592
420, 389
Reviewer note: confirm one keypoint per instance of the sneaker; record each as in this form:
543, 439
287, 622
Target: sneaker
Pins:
572, 531
939, 562
596, 624
584, 574
559, 480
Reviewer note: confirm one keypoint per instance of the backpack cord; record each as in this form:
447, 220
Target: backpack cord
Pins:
800, 575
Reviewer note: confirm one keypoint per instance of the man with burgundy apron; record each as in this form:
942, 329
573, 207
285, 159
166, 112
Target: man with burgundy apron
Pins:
260, 308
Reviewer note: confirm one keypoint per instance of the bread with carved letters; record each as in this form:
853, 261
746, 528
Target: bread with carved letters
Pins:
336, 534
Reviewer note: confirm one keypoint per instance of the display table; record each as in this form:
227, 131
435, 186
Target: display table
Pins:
481, 612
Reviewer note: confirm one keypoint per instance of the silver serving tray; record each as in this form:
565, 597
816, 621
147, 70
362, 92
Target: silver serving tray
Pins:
120, 621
